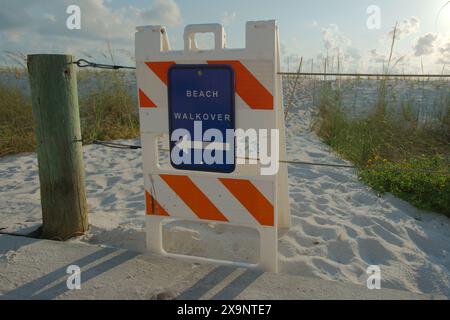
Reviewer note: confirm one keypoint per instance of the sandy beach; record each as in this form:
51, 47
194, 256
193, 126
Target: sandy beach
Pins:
339, 225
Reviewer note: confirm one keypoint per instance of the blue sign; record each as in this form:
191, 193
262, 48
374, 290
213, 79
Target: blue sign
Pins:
201, 117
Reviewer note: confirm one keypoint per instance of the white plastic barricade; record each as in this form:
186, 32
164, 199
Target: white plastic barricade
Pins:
238, 194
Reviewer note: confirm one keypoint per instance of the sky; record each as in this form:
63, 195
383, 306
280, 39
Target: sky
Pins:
359, 32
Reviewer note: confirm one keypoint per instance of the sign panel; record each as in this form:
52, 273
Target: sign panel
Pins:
201, 117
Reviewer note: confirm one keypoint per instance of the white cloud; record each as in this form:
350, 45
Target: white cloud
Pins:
435, 46
443, 52
40, 26
163, 12
376, 57
406, 28
425, 44
340, 52
333, 39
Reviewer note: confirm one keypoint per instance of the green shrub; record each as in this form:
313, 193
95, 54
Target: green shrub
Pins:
412, 180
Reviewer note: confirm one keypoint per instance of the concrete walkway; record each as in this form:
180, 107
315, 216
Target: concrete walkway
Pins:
36, 269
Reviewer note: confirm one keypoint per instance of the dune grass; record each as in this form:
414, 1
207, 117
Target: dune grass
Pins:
392, 146
16, 121
107, 111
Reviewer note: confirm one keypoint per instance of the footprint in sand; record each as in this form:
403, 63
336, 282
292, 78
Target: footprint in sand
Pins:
108, 200
325, 267
387, 235
372, 251
318, 231
362, 221
340, 251
321, 221
112, 181
363, 198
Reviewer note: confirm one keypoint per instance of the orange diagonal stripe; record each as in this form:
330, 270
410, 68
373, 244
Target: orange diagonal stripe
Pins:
193, 197
145, 101
153, 207
248, 87
160, 68
252, 199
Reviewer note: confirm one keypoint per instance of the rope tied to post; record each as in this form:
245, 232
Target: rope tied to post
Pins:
83, 63
116, 145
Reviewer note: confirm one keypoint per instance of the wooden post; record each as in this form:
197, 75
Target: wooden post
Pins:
58, 143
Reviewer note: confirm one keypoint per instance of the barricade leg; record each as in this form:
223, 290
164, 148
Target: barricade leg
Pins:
268, 249
154, 234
